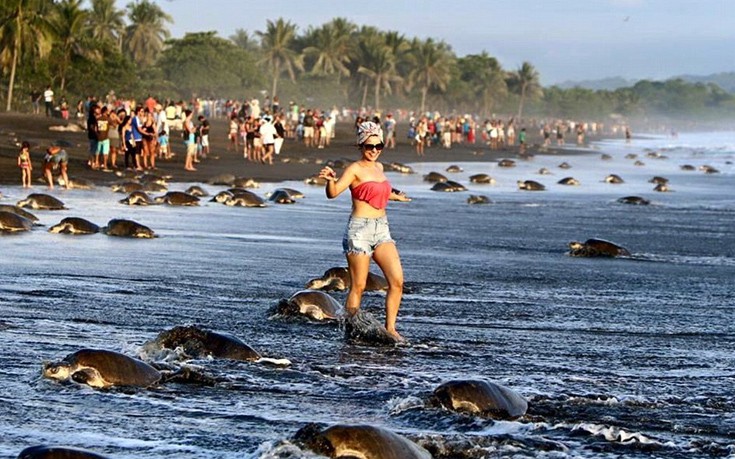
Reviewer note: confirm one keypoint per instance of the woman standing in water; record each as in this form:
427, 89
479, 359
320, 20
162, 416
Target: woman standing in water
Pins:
367, 234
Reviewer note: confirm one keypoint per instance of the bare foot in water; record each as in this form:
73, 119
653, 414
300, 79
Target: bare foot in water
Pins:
396, 336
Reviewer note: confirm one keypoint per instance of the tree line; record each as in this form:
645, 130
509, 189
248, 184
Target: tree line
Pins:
91, 50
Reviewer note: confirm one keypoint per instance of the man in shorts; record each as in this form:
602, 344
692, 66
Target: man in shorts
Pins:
309, 123
103, 139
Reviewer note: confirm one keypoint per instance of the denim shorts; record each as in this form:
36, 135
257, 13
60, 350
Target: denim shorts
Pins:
363, 235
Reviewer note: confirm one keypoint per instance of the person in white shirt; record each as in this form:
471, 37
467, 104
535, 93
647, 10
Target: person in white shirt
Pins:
48, 98
268, 135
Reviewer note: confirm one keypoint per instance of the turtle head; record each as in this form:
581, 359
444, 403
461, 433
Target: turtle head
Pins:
56, 370
145, 233
316, 284
576, 245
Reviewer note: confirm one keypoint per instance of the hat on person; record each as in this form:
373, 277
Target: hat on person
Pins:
368, 129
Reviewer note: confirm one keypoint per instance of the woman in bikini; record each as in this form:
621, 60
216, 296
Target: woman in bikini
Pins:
367, 234
25, 164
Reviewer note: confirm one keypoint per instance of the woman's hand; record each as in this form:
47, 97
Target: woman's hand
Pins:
328, 174
398, 195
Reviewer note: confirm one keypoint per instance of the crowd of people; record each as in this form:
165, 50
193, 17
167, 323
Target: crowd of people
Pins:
126, 133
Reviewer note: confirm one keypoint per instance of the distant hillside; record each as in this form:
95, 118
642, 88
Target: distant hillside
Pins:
725, 80
609, 84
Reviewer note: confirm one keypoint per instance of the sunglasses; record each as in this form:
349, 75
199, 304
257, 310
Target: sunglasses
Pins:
373, 146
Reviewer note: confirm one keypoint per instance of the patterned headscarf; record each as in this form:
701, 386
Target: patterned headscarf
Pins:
367, 129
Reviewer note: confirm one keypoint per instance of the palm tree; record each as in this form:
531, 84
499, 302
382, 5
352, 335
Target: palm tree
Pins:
278, 54
431, 66
330, 50
486, 79
243, 39
23, 31
526, 82
400, 47
69, 23
146, 34
377, 64
106, 22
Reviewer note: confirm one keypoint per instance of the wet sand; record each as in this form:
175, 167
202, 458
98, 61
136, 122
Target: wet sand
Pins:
296, 162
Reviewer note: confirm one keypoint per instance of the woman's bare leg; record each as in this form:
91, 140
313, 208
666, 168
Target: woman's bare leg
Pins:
359, 266
386, 256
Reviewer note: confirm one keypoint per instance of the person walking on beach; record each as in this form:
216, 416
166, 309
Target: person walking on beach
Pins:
25, 164
55, 158
48, 99
368, 235
268, 135
189, 141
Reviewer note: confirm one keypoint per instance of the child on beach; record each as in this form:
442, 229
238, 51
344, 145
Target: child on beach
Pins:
25, 165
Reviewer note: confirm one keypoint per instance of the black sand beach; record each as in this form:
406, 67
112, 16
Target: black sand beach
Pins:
294, 163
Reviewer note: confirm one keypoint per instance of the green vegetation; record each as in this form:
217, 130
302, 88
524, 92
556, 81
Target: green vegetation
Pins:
83, 51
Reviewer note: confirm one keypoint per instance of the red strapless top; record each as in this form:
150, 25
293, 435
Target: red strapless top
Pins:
374, 193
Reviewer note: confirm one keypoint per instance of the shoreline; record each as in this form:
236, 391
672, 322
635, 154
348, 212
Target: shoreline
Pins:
296, 162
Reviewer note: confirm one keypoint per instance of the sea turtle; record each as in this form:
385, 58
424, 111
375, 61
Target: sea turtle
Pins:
478, 199
41, 201
338, 278
222, 179
12, 222
358, 441
482, 178
154, 187
281, 197
659, 180
75, 225
597, 248
57, 452
571, 181
435, 177
245, 182
707, 169
222, 196
530, 185
198, 342
196, 190
479, 397
18, 211
634, 200
177, 198
245, 199
448, 186
137, 198
312, 304
614, 179
127, 228
102, 369
402, 168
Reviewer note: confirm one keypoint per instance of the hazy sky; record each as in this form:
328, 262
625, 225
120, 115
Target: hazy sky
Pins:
564, 40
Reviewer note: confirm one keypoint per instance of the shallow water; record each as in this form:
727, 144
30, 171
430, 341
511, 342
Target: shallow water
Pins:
628, 357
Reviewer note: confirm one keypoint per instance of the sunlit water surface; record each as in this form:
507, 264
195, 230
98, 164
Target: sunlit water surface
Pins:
631, 357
